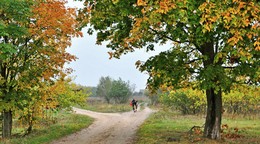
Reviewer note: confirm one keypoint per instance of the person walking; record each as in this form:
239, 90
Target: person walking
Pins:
134, 105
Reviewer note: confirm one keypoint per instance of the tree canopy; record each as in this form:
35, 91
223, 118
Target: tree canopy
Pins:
34, 36
213, 44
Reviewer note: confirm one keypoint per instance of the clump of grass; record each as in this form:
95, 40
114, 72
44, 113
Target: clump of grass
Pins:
67, 123
171, 127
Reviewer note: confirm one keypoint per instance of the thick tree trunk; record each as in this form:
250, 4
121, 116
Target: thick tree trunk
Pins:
7, 124
212, 127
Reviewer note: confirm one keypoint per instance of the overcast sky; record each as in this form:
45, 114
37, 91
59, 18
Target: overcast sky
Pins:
93, 61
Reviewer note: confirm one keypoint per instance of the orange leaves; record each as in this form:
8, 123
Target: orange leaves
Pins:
240, 19
53, 20
257, 45
231, 133
165, 6
136, 33
234, 40
141, 3
241, 5
226, 17
53, 25
224, 126
110, 55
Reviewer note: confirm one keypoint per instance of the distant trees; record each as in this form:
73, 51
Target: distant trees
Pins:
104, 87
120, 91
93, 91
117, 91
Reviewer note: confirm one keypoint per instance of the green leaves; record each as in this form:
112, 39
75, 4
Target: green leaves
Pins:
6, 50
16, 10
211, 40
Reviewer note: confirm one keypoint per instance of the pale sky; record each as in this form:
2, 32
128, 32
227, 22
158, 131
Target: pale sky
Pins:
93, 62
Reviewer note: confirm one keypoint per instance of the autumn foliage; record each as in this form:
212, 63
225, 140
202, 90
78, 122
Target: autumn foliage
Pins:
33, 39
213, 45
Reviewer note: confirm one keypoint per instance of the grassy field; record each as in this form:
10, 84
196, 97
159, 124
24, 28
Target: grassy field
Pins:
67, 123
170, 127
107, 108
163, 127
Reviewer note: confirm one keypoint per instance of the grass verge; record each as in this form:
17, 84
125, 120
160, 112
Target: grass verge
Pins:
165, 127
107, 108
67, 123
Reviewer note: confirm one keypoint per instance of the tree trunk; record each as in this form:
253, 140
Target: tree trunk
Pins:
7, 124
214, 98
214, 114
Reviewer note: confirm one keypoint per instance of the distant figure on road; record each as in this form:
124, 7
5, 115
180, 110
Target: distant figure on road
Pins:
134, 105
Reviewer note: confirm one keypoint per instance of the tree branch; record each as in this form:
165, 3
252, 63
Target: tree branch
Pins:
191, 61
229, 67
163, 35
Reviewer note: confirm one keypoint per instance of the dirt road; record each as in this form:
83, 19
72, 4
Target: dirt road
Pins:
108, 128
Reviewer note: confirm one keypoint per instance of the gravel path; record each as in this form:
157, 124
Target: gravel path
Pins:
108, 128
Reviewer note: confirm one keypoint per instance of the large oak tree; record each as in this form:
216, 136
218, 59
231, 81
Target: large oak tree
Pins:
215, 42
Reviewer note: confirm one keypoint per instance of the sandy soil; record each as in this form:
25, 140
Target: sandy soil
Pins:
108, 128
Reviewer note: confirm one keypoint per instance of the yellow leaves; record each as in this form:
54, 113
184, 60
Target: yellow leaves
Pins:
203, 6
226, 17
143, 11
166, 88
209, 16
256, 25
246, 22
213, 19
207, 27
141, 3
257, 45
235, 15
165, 6
235, 39
138, 22
115, 1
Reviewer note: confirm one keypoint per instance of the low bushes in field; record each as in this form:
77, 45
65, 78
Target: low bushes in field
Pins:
186, 100
240, 100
